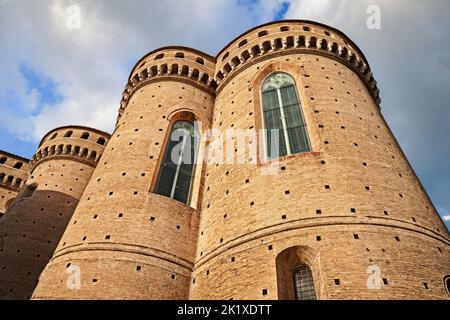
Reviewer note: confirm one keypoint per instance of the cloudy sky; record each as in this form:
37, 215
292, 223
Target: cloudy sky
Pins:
52, 75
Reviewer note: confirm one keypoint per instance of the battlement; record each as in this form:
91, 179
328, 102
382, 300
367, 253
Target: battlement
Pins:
78, 143
171, 63
290, 37
13, 170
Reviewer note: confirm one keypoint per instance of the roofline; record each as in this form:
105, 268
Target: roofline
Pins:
74, 127
214, 59
295, 21
182, 48
12, 155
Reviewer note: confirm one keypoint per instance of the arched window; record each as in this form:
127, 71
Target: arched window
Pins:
54, 136
101, 141
282, 113
85, 136
18, 165
3, 160
68, 134
303, 283
176, 171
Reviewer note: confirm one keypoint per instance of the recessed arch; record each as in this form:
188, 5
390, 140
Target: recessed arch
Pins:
298, 274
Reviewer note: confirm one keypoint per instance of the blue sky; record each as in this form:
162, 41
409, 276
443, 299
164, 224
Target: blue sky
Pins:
52, 75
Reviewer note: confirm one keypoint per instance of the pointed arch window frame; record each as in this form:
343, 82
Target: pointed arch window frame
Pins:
275, 82
167, 151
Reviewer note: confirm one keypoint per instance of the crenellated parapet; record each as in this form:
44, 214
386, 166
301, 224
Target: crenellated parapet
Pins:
287, 38
171, 63
13, 171
77, 143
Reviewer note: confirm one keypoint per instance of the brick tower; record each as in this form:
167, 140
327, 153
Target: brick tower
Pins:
338, 214
36, 220
128, 242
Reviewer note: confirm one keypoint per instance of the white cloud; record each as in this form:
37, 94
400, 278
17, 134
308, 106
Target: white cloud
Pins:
91, 65
446, 218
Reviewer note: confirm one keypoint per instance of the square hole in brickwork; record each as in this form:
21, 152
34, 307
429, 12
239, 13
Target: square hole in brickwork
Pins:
283, 168
107, 237
95, 216
221, 240
322, 162
252, 203
269, 247
232, 259
84, 238
111, 193
287, 192
355, 144
397, 238
178, 227
318, 238
207, 272
225, 216
353, 210
152, 218
327, 186
356, 236
120, 215
283, 217
138, 268
124, 174
426, 286
135, 193
173, 277
316, 111
318, 211
367, 188
413, 219
400, 195
386, 213
326, 142
385, 281
320, 125
364, 164
439, 249
337, 282
264, 292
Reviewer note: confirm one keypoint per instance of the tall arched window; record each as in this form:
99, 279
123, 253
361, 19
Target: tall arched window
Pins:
282, 112
303, 283
176, 171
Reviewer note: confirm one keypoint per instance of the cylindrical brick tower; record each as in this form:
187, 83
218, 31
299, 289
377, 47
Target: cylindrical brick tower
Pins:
340, 214
347, 218
126, 241
36, 220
